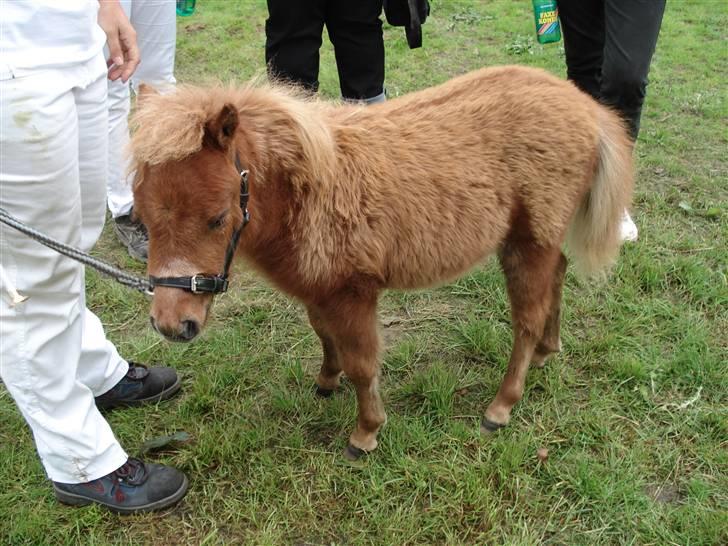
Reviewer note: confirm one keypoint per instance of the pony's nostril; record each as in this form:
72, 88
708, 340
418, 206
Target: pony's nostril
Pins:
190, 329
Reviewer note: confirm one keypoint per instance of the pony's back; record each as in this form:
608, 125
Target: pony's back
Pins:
442, 177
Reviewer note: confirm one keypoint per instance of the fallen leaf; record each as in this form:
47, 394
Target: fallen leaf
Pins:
158, 443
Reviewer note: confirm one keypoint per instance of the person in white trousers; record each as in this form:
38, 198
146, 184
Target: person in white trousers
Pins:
156, 29
55, 360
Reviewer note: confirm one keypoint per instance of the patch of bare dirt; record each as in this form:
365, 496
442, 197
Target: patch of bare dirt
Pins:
195, 27
666, 493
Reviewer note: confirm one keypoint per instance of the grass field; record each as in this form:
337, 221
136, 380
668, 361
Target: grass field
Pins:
634, 411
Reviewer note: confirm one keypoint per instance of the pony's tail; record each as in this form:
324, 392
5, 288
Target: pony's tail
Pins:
594, 235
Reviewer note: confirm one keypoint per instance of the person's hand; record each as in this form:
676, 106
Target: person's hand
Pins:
121, 40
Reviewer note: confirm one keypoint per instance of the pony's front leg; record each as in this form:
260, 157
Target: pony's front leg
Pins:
371, 412
352, 323
329, 376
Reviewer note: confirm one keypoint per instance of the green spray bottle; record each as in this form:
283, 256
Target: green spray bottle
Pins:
185, 7
546, 13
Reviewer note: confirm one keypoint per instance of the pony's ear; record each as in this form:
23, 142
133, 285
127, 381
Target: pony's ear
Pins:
220, 130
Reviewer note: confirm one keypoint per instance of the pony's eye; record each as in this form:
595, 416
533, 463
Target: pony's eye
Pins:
218, 221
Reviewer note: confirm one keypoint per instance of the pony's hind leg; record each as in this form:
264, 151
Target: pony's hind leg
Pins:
351, 322
529, 269
329, 376
551, 340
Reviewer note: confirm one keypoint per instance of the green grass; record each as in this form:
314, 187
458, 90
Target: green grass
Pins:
633, 411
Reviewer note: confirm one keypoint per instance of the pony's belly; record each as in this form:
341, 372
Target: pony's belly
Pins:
432, 269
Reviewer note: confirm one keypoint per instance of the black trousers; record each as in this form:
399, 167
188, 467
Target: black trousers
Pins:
609, 46
293, 38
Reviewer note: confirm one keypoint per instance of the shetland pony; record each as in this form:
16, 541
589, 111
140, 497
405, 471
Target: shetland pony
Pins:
346, 201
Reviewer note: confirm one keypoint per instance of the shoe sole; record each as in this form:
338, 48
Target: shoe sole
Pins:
166, 394
136, 255
129, 249
72, 499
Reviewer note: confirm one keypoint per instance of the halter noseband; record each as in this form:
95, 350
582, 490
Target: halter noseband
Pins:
213, 284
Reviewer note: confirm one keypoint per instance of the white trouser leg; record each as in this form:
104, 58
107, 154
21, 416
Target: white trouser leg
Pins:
54, 356
119, 193
155, 25
155, 22
100, 367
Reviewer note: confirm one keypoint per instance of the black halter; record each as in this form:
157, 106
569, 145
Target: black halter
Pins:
213, 284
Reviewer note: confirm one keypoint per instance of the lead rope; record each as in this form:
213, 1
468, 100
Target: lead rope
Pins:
129, 280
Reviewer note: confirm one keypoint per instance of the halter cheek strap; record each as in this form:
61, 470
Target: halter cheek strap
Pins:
213, 284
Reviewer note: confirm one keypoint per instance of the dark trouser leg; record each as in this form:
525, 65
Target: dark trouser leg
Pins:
609, 46
632, 27
355, 30
582, 22
292, 40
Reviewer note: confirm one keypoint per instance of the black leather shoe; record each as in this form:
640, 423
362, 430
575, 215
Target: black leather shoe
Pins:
141, 385
134, 487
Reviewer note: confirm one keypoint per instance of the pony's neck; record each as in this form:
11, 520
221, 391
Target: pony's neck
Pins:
293, 204
290, 134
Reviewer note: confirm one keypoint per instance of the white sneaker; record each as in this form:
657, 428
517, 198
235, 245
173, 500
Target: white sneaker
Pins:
627, 229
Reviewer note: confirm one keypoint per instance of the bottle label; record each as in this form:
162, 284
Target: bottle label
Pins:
548, 22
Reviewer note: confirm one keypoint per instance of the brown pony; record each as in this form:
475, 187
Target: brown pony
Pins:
346, 201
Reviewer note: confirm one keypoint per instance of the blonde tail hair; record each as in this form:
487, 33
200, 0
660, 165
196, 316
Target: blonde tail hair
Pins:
594, 236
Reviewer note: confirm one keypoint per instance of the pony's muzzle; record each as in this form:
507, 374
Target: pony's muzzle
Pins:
179, 315
185, 330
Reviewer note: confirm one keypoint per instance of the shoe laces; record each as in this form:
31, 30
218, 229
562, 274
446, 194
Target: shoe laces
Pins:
132, 472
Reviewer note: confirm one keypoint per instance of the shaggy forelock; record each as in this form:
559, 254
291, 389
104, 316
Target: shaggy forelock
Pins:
170, 127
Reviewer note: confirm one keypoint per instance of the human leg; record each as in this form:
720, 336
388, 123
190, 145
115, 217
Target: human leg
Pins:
582, 22
119, 193
52, 177
292, 40
42, 337
632, 28
155, 24
355, 29
100, 367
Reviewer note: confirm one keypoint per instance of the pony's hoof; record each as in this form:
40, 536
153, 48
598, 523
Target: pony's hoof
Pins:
353, 453
324, 393
489, 427
539, 360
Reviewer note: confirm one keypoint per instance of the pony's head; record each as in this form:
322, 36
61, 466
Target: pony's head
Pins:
186, 148
187, 193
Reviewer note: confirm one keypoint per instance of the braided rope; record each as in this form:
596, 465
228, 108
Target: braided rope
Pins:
127, 279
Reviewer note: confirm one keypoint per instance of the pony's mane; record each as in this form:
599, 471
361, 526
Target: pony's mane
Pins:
171, 127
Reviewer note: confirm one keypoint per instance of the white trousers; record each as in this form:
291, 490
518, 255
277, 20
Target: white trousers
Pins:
54, 355
155, 25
